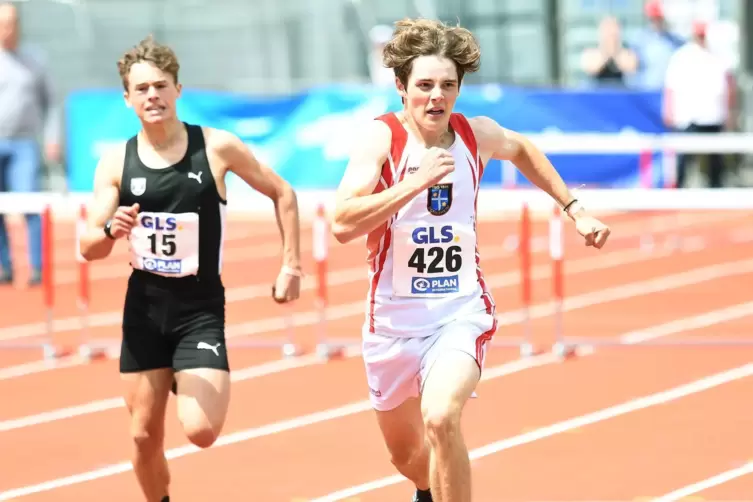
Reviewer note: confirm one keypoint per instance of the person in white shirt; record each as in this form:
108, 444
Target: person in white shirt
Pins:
699, 97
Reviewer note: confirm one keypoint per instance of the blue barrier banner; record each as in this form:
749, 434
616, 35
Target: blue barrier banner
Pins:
306, 137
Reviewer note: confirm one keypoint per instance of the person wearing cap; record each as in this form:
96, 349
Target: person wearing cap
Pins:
699, 97
654, 48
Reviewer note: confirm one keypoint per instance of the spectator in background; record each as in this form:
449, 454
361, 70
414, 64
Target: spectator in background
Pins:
699, 97
654, 47
25, 112
611, 61
381, 76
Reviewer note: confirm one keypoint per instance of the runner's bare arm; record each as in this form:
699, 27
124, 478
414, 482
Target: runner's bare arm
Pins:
94, 244
358, 210
242, 162
499, 143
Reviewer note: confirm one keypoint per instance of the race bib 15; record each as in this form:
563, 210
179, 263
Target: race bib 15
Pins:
166, 244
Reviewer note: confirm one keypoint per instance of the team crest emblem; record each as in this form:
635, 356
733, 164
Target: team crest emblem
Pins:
138, 186
439, 199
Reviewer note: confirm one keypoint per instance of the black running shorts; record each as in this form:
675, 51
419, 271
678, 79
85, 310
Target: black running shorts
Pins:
176, 323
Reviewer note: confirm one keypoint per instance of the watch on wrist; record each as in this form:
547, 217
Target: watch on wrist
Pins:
108, 226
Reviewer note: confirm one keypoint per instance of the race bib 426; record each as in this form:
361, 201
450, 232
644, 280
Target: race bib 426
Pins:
430, 261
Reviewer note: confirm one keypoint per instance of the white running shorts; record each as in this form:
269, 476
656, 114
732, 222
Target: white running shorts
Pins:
396, 367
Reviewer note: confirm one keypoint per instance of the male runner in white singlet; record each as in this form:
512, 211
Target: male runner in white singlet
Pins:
411, 186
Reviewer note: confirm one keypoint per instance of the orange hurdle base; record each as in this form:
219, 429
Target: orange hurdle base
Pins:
565, 350
49, 350
568, 348
336, 348
287, 348
96, 351
527, 349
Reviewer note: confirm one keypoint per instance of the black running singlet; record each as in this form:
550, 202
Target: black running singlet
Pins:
181, 221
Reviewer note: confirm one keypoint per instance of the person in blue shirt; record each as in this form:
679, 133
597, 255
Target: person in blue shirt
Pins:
654, 48
26, 118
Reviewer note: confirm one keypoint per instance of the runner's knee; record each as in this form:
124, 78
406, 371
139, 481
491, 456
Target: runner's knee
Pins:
441, 419
203, 397
449, 384
197, 427
406, 453
147, 432
201, 435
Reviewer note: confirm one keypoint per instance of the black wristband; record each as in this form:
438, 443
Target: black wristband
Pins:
107, 229
564, 209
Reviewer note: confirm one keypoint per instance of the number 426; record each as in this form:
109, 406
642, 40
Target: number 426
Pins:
440, 260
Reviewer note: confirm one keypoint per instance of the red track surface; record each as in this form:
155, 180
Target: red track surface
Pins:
653, 448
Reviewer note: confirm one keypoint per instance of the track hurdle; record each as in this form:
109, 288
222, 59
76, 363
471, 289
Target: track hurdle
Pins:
556, 253
327, 347
524, 254
320, 251
89, 348
641, 224
248, 338
85, 349
48, 280
13, 338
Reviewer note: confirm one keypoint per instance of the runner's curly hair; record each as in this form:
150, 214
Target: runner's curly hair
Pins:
423, 37
161, 56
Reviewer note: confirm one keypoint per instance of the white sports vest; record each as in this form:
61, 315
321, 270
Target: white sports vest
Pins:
423, 263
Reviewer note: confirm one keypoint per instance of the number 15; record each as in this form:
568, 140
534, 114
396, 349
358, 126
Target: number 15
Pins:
167, 245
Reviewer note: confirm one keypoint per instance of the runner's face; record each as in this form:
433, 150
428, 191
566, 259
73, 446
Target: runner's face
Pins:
431, 92
152, 93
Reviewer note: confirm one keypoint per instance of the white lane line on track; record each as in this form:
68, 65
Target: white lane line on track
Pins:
721, 478
643, 402
248, 373
672, 394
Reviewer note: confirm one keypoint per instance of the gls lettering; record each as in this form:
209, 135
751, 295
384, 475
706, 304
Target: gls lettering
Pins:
423, 235
169, 224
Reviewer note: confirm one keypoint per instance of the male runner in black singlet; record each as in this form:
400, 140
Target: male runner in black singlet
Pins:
164, 190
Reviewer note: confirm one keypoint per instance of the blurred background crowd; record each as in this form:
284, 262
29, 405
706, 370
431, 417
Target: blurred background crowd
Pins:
290, 77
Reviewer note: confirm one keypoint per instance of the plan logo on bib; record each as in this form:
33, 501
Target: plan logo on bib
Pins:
435, 285
161, 266
439, 199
